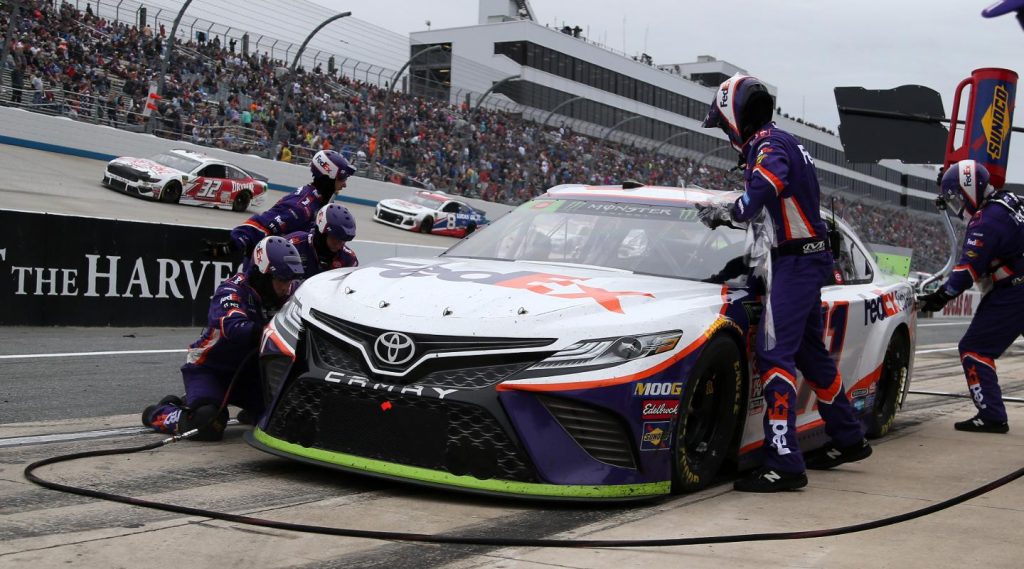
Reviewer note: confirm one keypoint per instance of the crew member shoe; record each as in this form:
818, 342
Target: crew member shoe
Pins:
978, 425
247, 417
766, 480
831, 455
165, 415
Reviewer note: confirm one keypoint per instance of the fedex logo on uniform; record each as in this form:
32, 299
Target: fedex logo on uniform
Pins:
778, 420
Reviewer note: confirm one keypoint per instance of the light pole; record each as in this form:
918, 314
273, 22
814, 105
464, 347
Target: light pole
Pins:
286, 86
386, 112
544, 123
166, 61
616, 126
673, 137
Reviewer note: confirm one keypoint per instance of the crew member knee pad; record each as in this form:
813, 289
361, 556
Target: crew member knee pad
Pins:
209, 418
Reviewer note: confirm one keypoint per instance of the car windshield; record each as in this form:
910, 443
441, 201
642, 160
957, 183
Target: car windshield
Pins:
176, 162
659, 240
425, 201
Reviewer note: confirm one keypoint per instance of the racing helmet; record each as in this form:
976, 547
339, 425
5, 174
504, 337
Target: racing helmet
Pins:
277, 257
331, 165
335, 220
965, 184
1005, 7
740, 107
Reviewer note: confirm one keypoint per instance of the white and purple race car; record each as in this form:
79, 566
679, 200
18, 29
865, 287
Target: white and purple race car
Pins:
430, 212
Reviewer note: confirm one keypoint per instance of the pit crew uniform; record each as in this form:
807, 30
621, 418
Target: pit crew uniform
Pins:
781, 178
234, 322
294, 212
993, 247
312, 263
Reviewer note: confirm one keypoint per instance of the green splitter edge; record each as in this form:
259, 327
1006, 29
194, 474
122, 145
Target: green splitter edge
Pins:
436, 477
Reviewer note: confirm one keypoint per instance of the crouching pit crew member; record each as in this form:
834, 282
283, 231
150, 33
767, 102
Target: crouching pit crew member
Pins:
240, 308
781, 179
293, 212
325, 247
992, 255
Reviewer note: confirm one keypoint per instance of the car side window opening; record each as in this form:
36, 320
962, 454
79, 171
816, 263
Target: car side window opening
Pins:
213, 171
852, 263
235, 174
450, 207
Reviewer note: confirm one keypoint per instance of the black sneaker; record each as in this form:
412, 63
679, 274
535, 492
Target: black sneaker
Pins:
978, 425
831, 456
768, 480
246, 417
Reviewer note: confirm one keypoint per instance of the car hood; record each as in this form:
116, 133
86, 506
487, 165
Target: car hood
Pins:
508, 299
148, 166
405, 206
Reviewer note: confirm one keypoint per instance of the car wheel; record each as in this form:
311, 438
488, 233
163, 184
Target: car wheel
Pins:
241, 202
895, 368
427, 225
709, 413
470, 229
171, 193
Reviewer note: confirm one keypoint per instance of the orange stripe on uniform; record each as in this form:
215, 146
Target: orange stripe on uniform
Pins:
779, 372
772, 178
969, 269
256, 225
980, 359
828, 394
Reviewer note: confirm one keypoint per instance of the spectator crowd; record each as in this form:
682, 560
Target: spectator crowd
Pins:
80, 65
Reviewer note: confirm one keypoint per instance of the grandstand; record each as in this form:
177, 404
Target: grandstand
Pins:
224, 89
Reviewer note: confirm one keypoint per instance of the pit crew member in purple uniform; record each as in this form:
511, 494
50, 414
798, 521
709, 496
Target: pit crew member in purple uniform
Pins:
295, 211
993, 256
780, 178
240, 308
325, 247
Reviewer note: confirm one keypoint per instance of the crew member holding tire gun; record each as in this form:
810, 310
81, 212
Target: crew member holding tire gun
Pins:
294, 212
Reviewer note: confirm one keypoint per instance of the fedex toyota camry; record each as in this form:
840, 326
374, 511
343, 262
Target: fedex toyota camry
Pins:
183, 176
430, 212
588, 345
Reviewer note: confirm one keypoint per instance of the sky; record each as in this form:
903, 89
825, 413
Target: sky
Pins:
805, 48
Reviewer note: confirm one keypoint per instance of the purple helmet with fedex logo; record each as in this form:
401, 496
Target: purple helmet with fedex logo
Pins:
277, 257
741, 106
965, 183
337, 221
329, 164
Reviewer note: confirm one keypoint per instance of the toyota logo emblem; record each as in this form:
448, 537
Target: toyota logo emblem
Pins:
394, 348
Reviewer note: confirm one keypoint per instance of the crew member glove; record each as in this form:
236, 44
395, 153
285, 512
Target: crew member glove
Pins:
714, 215
934, 301
217, 249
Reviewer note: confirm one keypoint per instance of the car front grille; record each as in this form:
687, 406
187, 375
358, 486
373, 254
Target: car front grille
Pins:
462, 372
125, 172
389, 216
600, 433
451, 436
431, 343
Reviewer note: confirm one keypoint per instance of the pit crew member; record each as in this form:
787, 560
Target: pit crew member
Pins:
224, 353
992, 254
325, 247
295, 211
781, 179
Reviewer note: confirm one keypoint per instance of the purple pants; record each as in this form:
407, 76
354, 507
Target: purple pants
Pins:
207, 385
998, 322
796, 310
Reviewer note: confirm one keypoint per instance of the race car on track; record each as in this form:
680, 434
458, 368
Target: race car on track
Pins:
580, 348
183, 176
430, 212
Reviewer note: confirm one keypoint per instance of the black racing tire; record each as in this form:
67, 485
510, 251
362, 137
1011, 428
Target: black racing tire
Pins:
241, 202
895, 370
470, 229
171, 192
427, 225
709, 414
